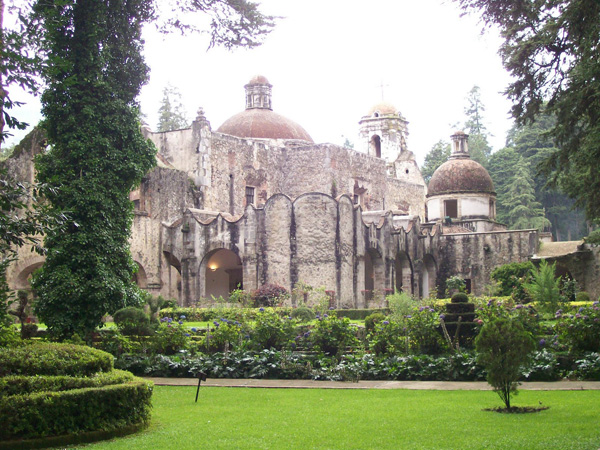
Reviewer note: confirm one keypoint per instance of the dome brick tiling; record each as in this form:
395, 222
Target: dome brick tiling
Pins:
263, 124
460, 176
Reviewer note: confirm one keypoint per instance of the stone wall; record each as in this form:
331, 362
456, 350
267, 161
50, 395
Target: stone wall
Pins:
473, 256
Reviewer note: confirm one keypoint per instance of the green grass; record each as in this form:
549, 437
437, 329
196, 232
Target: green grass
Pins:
236, 418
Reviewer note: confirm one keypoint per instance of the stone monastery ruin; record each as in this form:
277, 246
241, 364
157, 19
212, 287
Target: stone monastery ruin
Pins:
257, 201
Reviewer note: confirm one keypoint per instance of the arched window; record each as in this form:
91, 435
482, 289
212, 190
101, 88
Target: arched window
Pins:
376, 146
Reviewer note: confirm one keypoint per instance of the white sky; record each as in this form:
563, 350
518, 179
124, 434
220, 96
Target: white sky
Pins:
326, 61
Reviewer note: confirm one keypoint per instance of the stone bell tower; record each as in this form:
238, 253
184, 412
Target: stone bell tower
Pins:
383, 132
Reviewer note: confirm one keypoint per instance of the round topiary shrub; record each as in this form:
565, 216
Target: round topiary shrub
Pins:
56, 394
54, 359
269, 295
132, 321
582, 297
460, 297
303, 314
373, 319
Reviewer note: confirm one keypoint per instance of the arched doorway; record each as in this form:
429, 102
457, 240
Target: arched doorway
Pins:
223, 273
404, 273
428, 276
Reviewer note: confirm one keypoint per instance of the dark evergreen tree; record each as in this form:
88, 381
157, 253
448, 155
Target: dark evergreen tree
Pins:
524, 211
502, 167
437, 156
552, 51
534, 143
479, 148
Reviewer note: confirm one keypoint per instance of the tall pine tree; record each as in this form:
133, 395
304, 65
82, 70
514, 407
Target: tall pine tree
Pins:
524, 211
171, 114
479, 147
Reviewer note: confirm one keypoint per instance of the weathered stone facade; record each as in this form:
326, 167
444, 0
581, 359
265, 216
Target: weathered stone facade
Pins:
222, 211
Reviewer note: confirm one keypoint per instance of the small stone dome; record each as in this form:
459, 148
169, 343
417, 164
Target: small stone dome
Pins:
258, 120
263, 124
258, 79
458, 176
383, 109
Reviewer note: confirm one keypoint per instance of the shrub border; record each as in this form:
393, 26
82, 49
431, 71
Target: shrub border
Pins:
30, 408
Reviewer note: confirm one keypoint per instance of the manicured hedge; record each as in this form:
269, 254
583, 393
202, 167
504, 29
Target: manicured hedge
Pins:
80, 410
360, 314
24, 384
54, 359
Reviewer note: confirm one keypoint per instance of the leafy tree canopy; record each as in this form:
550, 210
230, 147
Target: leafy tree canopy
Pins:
552, 51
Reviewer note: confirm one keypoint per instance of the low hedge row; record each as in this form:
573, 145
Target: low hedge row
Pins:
241, 314
54, 359
24, 384
80, 410
360, 314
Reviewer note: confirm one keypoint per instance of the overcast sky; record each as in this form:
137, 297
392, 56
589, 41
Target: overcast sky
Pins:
327, 60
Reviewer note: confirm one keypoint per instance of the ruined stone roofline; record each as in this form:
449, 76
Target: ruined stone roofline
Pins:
386, 217
279, 143
398, 180
528, 230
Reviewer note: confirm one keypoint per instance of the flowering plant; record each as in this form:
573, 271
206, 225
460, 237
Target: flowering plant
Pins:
580, 331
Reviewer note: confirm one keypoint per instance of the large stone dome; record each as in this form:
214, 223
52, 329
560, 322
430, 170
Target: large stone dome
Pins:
263, 124
259, 120
460, 176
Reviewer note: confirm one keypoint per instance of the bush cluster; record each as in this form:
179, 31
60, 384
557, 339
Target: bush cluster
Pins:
62, 389
54, 359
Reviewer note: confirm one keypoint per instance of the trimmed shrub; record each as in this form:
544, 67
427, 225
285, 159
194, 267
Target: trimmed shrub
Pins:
20, 384
132, 321
372, 320
303, 314
460, 297
269, 295
582, 296
359, 314
59, 413
54, 359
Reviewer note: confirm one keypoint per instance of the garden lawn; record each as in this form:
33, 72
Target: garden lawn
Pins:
244, 418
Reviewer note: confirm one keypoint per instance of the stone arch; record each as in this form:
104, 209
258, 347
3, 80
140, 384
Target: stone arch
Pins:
404, 273
173, 275
428, 275
22, 280
140, 278
375, 144
221, 272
